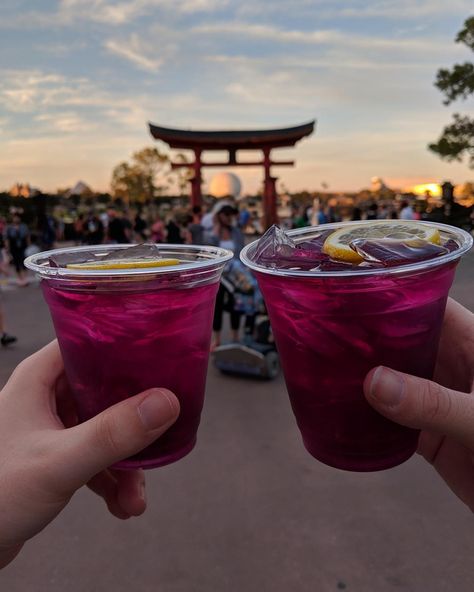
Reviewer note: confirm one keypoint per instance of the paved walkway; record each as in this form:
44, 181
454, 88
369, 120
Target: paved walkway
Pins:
249, 510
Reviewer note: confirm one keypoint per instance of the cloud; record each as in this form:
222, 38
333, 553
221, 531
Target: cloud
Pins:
24, 90
408, 9
66, 122
106, 12
135, 51
325, 37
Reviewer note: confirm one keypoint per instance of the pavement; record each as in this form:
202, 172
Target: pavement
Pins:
249, 510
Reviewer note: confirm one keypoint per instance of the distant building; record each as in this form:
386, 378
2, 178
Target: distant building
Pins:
23, 190
80, 188
225, 185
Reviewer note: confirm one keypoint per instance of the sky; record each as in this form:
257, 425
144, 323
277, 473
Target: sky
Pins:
80, 79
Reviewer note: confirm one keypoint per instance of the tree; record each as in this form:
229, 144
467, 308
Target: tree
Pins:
457, 139
148, 176
138, 181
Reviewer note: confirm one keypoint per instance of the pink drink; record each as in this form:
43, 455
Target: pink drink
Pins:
121, 334
332, 327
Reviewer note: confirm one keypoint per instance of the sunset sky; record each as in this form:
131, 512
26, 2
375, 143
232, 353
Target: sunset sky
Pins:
80, 79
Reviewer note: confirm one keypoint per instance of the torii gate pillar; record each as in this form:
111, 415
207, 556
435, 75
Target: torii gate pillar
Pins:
196, 181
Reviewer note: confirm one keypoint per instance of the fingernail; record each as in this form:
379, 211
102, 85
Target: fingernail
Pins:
386, 387
157, 409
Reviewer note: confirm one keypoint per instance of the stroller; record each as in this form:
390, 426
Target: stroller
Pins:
256, 354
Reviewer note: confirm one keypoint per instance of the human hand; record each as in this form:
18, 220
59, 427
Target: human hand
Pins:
442, 409
45, 457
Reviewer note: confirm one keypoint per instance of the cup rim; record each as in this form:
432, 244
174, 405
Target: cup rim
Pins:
213, 256
464, 239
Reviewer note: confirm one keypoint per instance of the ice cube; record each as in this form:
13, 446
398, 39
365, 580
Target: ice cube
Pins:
277, 249
141, 251
392, 252
64, 259
451, 245
317, 241
274, 244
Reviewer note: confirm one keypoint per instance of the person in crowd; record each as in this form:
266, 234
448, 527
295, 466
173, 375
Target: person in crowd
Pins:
140, 227
174, 233
244, 218
79, 229
17, 240
383, 212
417, 213
406, 211
104, 218
207, 223
195, 228
4, 258
119, 230
33, 247
47, 226
227, 235
158, 231
5, 338
372, 211
356, 213
300, 218
92, 230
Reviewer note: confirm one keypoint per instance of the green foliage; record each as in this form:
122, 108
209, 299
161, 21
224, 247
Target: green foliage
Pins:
147, 176
457, 139
456, 83
466, 34
137, 181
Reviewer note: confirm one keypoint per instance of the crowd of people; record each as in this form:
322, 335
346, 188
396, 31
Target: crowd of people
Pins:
223, 223
220, 225
324, 213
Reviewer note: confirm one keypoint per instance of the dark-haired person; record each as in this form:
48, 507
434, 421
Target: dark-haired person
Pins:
227, 235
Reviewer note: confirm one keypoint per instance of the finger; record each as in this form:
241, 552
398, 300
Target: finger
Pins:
131, 491
105, 485
41, 368
116, 433
420, 403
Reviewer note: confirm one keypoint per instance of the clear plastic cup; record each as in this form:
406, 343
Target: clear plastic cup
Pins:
332, 327
122, 331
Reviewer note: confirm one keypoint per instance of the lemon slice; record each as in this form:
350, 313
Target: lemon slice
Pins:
124, 264
337, 244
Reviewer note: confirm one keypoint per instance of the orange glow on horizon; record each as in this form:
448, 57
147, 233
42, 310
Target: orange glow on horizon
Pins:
423, 188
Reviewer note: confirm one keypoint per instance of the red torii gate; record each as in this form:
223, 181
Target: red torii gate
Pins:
232, 141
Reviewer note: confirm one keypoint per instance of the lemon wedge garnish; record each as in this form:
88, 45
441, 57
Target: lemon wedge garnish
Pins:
337, 244
124, 264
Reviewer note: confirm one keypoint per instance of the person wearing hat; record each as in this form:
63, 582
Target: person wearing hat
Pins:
227, 235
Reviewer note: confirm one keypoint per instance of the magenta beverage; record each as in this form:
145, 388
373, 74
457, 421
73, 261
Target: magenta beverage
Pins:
335, 319
124, 330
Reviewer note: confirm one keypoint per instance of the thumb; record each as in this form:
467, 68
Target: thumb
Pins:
420, 403
117, 433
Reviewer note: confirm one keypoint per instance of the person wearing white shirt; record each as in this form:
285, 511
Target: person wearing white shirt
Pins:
406, 212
